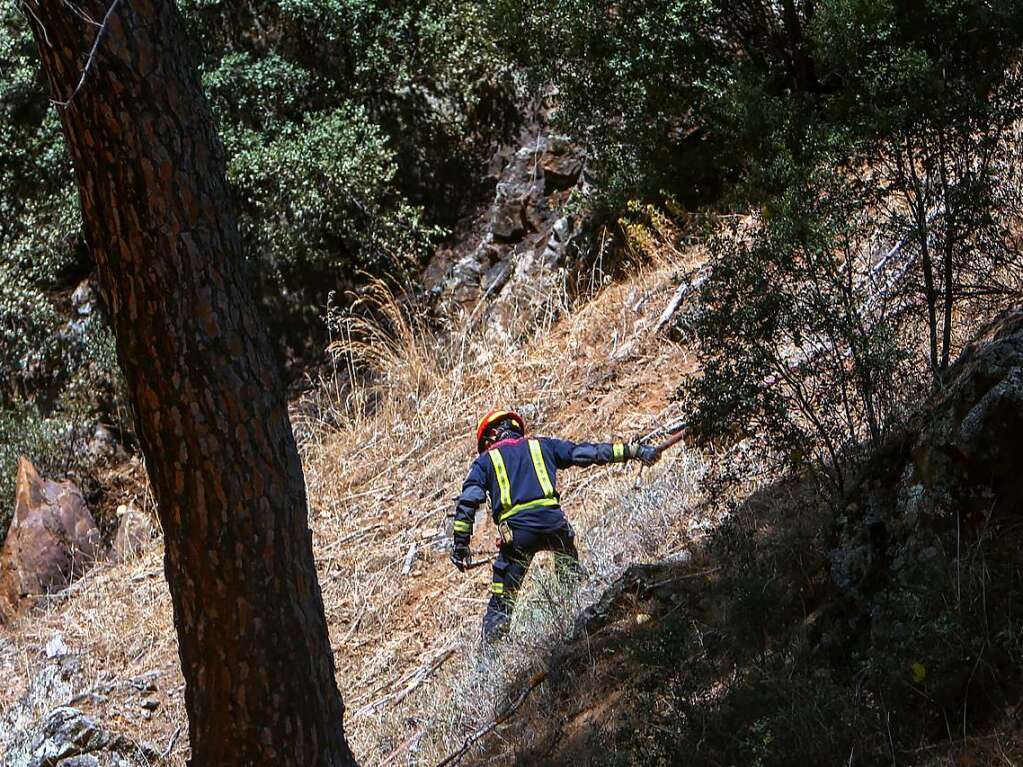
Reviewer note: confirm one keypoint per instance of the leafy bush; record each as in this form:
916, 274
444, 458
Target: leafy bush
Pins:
875, 144
807, 343
354, 130
318, 208
931, 96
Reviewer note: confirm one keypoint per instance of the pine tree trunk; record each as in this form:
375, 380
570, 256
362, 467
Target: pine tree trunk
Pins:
207, 391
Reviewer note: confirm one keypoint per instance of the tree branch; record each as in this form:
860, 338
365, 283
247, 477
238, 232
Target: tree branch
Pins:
456, 757
92, 55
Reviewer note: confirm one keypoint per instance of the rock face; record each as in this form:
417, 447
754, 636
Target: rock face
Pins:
52, 539
68, 738
969, 457
522, 244
956, 468
63, 736
52, 686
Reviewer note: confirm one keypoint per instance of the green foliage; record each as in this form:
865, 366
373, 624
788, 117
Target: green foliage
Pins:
678, 96
39, 218
424, 72
852, 128
28, 327
634, 80
805, 343
932, 95
305, 189
319, 206
354, 130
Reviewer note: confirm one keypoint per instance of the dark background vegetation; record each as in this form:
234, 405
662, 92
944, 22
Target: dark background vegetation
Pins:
356, 134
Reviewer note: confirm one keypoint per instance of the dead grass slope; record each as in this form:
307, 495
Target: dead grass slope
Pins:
383, 463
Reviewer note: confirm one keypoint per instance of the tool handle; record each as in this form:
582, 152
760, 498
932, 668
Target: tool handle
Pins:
671, 441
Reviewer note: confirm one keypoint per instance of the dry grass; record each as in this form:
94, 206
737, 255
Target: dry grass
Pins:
383, 462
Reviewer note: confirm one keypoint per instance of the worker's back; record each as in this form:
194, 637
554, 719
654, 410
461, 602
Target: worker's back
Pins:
520, 478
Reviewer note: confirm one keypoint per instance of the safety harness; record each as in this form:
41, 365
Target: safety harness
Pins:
550, 498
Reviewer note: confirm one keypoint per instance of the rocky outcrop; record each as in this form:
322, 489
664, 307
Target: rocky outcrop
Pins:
519, 249
52, 686
52, 539
66, 737
955, 471
135, 529
968, 458
44, 729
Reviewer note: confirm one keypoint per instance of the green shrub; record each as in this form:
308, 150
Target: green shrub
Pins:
801, 347
351, 129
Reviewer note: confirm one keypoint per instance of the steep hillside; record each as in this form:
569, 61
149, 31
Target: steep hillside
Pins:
732, 614
382, 463
885, 634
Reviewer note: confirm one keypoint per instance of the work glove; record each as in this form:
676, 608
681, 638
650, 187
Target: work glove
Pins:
648, 454
461, 557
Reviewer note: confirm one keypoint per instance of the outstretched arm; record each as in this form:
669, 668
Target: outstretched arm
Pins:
568, 454
473, 494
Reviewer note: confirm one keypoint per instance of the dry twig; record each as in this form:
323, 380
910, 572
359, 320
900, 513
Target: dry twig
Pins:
535, 681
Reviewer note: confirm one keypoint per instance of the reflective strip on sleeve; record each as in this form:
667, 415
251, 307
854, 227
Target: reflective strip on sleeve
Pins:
619, 451
502, 477
541, 469
496, 588
462, 526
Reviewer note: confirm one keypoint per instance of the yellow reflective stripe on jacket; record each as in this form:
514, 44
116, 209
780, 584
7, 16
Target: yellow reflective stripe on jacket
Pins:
541, 469
538, 503
502, 477
496, 588
461, 526
619, 451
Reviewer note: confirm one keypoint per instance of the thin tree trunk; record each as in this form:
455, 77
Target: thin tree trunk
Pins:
207, 391
948, 256
914, 190
931, 295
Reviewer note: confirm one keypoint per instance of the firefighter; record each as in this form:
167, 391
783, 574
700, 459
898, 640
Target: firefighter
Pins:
519, 475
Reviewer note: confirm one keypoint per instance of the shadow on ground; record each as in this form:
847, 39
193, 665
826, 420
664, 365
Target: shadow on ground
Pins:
763, 646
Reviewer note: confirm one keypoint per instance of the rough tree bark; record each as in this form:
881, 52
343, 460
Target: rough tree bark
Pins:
208, 395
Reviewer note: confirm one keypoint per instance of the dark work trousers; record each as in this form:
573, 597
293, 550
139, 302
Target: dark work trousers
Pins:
512, 563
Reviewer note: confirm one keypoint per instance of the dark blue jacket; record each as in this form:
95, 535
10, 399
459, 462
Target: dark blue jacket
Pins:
529, 497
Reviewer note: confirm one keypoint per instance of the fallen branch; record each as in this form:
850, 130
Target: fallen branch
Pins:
535, 681
411, 680
350, 538
144, 576
684, 289
410, 557
406, 745
171, 743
